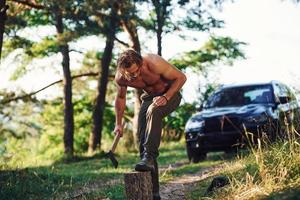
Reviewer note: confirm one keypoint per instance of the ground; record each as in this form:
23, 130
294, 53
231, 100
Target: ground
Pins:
178, 188
175, 188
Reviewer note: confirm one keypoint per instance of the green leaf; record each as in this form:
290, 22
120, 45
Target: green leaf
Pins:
44, 48
217, 49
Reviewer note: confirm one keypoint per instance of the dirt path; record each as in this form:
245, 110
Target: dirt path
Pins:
177, 188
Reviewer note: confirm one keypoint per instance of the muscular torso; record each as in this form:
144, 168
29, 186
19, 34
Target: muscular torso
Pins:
148, 81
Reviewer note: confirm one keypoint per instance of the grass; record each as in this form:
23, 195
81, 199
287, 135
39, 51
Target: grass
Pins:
62, 179
269, 172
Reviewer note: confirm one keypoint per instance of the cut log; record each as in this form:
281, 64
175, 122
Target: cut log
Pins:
138, 185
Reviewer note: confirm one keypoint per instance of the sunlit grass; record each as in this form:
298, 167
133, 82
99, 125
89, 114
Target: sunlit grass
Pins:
43, 179
269, 172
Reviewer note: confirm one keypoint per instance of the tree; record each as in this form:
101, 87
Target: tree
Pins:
162, 12
110, 26
3, 8
72, 20
129, 22
68, 105
215, 50
52, 13
196, 17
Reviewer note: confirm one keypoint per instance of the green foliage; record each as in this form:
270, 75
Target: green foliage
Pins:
14, 43
17, 42
37, 17
18, 125
15, 20
205, 91
179, 117
51, 141
82, 121
44, 48
202, 24
198, 15
217, 49
52, 120
90, 61
223, 49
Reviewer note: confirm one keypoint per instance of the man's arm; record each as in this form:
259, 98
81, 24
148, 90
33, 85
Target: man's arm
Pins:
168, 71
120, 104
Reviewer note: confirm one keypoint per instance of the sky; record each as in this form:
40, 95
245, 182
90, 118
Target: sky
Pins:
271, 29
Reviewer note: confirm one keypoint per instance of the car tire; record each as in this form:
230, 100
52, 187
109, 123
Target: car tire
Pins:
199, 157
194, 155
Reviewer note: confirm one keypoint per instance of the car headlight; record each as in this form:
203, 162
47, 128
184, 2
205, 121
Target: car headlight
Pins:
194, 124
257, 119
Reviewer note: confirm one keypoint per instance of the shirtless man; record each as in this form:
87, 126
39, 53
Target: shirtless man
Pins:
160, 82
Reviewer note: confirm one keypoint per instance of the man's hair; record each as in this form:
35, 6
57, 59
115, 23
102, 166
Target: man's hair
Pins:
128, 58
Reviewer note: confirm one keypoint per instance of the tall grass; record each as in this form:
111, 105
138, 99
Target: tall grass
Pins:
269, 171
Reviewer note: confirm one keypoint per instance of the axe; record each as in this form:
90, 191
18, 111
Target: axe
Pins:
110, 154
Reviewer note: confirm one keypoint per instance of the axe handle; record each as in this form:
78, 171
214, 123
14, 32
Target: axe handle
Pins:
115, 142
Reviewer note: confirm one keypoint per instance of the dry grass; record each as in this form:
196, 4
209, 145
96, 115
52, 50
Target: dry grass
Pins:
269, 169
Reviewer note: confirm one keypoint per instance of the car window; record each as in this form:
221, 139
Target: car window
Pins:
243, 95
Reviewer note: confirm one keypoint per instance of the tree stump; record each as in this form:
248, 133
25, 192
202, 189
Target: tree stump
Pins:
138, 185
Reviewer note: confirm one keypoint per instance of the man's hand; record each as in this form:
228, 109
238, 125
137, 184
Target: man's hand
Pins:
119, 130
160, 101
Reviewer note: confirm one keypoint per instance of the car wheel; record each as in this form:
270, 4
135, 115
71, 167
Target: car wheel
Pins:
194, 155
199, 157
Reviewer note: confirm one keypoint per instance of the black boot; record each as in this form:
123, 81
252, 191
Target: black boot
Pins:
146, 164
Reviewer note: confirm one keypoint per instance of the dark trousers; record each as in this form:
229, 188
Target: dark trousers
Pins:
150, 127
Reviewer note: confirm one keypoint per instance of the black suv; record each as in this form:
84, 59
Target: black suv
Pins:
234, 110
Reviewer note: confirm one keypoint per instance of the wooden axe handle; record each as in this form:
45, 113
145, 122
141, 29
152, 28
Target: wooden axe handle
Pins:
115, 142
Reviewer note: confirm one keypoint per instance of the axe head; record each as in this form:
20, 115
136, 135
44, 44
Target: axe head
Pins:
111, 156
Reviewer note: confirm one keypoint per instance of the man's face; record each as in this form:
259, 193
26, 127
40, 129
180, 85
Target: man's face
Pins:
133, 72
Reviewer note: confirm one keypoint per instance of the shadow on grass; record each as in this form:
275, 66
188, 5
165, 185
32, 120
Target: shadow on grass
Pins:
45, 182
73, 159
67, 175
228, 156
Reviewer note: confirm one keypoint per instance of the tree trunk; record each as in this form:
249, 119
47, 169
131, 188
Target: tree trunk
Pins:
161, 12
67, 82
159, 40
138, 185
159, 24
95, 137
3, 9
